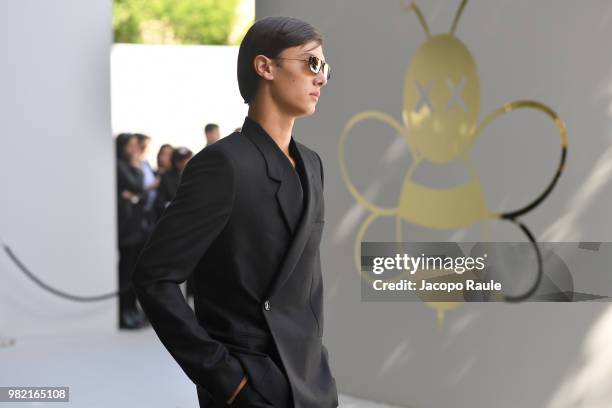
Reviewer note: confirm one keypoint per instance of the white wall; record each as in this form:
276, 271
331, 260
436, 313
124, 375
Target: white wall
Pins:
486, 355
170, 92
57, 169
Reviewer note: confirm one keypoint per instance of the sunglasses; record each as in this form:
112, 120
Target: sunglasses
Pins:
314, 63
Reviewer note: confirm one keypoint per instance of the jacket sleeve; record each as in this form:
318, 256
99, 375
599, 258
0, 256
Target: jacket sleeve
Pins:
190, 223
321, 169
129, 178
162, 196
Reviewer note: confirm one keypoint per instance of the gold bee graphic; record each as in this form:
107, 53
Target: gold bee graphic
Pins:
441, 107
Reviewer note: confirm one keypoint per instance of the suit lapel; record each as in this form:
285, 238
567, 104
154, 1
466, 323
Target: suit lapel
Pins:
302, 232
273, 157
270, 151
286, 199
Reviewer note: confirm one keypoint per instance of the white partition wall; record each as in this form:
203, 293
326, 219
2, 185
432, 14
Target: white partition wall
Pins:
57, 170
484, 355
170, 92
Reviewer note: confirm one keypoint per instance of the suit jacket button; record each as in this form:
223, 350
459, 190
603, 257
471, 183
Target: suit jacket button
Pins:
267, 305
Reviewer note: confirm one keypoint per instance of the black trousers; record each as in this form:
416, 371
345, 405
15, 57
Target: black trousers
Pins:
127, 260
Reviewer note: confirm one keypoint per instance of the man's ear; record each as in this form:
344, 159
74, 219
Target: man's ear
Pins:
263, 67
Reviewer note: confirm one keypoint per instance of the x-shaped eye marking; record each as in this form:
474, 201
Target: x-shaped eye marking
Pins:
455, 95
424, 97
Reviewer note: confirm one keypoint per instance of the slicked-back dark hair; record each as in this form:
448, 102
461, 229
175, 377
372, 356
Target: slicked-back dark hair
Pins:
269, 36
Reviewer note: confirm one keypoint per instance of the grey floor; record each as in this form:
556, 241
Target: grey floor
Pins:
122, 369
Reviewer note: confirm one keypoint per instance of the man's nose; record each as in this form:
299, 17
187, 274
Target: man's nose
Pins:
321, 79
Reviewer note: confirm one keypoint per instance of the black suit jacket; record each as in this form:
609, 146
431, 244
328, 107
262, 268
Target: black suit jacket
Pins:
259, 290
168, 185
130, 228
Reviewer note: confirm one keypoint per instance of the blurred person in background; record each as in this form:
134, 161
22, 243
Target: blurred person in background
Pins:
170, 180
150, 183
211, 131
164, 159
131, 234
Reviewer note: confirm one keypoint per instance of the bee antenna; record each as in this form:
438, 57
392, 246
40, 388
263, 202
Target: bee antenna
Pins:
413, 7
458, 16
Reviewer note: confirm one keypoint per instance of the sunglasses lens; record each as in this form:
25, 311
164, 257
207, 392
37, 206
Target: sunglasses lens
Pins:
315, 64
327, 71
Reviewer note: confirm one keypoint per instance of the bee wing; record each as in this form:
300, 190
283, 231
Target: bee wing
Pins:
359, 197
539, 107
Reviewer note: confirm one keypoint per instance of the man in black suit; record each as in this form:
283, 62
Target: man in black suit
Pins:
247, 221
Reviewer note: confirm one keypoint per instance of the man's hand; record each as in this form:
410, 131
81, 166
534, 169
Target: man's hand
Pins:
240, 387
132, 197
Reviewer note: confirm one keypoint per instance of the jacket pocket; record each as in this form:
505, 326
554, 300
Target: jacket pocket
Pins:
264, 375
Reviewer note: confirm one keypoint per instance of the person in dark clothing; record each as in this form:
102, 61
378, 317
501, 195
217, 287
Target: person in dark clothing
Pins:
170, 179
247, 221
164, 157
211, 131
150, 184
131, 234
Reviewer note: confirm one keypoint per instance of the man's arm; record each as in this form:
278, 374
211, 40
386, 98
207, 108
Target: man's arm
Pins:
188, 226
321, 167
129, 178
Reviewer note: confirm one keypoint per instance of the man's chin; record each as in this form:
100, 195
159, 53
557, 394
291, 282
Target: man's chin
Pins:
310, 110
304, 110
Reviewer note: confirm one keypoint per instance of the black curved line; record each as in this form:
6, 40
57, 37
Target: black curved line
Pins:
532, 290
549, 188
58, 292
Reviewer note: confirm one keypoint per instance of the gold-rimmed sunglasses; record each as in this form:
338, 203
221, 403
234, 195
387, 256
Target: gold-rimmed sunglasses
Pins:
314, 63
